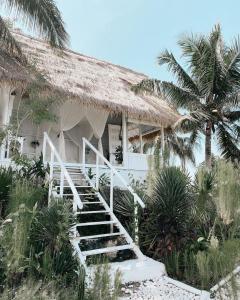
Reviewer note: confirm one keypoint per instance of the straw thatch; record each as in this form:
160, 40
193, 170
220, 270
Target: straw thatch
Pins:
95, 83
12, 70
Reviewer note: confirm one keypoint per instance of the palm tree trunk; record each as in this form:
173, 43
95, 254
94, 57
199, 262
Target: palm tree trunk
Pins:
208, 145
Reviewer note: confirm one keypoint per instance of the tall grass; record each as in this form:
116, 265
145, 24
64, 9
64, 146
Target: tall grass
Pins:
6, 179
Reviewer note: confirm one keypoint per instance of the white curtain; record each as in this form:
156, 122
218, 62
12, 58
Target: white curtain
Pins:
98, 120
83, 129
90, 121
69, 116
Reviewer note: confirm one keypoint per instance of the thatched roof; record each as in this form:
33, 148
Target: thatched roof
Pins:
12, 70
94, 82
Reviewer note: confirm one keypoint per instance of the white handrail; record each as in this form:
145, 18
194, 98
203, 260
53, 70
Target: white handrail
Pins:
113, 170
64, 173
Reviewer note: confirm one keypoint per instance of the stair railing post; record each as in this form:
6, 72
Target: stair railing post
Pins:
61, 182
51, 177
44, 147
111, 196
97, 172
84, 155
136, 229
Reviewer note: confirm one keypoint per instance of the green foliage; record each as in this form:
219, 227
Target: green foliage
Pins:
167, 220
31, 169
6, 179
39, 290
51, 251
24, 193
22, 203
227, 191
205, 268
104, 179
102, 284
41, 16
119, 154
37, 106
36, 257
3, 268
210, 250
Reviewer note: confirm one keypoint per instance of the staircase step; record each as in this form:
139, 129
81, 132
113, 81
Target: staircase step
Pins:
70, 173
106, 250
96, 236
95, 223
87, 194
93, 212
76, 186
92, 202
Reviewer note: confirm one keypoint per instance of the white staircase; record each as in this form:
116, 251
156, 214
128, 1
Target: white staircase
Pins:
98, 231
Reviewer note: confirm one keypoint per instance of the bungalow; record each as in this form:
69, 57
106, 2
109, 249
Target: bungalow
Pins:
98, 104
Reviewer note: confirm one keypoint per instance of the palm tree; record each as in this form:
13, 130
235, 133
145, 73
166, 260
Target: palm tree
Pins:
208, 91
180, 146
41, 16
175, 144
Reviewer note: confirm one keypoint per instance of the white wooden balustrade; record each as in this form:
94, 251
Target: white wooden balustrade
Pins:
73, 182
55, 160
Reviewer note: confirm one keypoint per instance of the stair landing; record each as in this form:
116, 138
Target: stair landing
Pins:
135, 270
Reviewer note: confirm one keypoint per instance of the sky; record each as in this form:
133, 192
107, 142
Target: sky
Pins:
132, 33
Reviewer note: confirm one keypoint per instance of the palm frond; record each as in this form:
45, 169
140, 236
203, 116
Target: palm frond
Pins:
182, 147
7, 41
43, 17
227, 144
232, 116
182, 76
232, 60
152, 86
231, 100
180, 97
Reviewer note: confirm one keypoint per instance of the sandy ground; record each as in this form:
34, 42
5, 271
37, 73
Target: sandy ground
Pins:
158, 289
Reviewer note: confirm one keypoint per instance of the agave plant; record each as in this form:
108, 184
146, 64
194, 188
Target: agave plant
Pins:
166, 224
49, 242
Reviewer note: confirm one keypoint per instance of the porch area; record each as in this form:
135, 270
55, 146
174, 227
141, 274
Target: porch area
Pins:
123, 141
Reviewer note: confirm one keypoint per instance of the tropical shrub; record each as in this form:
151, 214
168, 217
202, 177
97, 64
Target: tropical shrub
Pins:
205, 268
31, 169
51, 251
211, 250
23, 199
102, 287
166, 224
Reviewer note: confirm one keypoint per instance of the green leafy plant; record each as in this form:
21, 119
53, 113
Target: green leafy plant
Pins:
31, 169
43, 17
167, 221
51, 251
119, 154
104, 287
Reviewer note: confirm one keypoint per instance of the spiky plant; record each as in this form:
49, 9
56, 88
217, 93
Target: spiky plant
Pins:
50, 246
166, 224
41, 16
208, 92
205, 208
